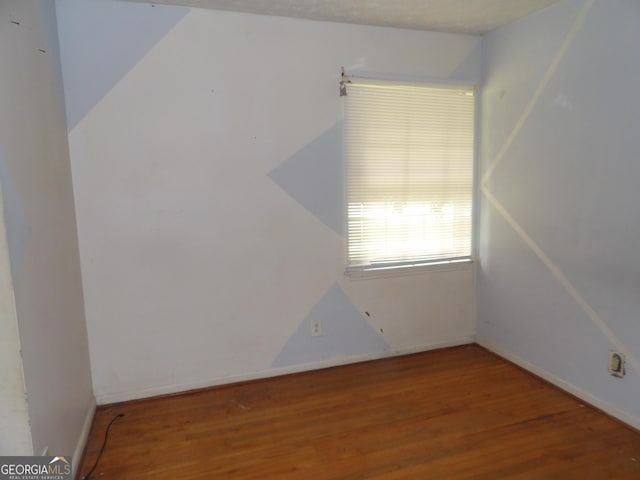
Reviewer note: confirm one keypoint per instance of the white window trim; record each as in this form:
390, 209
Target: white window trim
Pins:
427, 266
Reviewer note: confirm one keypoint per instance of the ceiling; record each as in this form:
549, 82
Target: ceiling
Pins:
455, 16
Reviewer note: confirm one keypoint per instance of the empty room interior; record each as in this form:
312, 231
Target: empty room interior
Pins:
321, 239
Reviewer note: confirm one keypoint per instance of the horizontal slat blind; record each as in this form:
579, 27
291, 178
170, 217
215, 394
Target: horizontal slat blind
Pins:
409, 156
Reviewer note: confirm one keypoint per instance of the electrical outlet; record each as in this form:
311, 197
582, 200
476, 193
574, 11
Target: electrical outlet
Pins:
316, 328
616, 364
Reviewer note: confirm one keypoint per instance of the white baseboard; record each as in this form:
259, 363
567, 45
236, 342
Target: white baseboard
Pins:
587, 397
84, 436
108, 398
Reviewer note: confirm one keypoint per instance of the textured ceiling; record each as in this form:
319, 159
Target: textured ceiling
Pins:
455, 16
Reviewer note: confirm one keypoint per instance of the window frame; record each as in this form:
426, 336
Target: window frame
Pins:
418, 266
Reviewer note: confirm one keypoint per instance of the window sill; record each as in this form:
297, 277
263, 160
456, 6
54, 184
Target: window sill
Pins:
403, 271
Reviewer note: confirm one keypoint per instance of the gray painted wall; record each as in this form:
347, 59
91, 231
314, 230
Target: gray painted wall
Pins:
41, 229
559, 273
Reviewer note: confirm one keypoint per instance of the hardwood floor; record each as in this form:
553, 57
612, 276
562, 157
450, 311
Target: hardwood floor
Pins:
458, 413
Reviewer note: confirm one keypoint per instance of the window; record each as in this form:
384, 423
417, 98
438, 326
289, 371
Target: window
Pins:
409, 174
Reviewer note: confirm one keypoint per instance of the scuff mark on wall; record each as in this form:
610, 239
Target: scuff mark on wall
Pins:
345, 332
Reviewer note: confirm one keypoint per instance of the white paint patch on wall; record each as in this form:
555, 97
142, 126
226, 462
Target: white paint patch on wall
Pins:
198, 267
418, 310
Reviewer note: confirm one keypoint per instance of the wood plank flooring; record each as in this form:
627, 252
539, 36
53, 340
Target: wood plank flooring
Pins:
457, 413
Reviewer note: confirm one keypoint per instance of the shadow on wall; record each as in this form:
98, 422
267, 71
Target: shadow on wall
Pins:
15, 217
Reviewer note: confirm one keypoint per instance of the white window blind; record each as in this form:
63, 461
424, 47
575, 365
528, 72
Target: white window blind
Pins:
409, 173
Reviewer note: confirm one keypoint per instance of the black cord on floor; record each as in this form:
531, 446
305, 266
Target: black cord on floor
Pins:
104, 444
